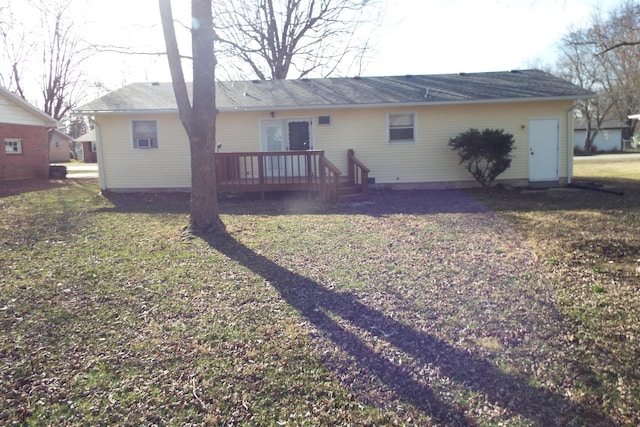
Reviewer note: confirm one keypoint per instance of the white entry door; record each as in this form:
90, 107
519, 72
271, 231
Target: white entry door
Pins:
544, 146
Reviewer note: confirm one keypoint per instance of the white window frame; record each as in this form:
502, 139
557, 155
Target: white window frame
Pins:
413, 127
16, 143
153, 140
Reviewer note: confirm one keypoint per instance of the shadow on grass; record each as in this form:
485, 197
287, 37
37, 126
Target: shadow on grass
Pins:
21, 186
388, 202
320, 306
380, 203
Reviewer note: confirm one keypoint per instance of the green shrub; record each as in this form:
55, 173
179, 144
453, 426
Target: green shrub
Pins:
486, 153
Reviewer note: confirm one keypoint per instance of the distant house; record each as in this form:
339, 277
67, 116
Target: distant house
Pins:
398, 126
608, 138
23, 131
59, 146
88, 141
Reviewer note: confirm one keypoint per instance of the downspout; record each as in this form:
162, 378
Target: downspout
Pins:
570, 138
101, 172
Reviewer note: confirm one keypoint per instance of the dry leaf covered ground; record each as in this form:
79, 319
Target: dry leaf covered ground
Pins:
410, 308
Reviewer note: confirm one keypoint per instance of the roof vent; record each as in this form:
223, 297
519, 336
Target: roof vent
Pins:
514, 71
357, 78
155, 83
463, 74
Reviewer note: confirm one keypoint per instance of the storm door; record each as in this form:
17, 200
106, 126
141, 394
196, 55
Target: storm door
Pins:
273, 139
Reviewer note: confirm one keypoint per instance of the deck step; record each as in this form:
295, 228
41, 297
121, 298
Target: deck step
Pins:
351, 197
349, 189
349, 192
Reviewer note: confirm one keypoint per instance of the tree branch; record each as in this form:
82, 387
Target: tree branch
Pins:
175, 65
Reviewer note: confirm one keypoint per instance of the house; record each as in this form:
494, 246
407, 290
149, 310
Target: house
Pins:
23, 130
398, 127
59, 146
608, 138
88, 146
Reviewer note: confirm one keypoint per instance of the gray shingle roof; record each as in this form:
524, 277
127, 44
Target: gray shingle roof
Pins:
351, 92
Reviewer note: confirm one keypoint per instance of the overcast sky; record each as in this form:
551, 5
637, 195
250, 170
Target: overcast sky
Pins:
415, 37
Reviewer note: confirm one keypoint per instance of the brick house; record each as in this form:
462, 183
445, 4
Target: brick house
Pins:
23, 133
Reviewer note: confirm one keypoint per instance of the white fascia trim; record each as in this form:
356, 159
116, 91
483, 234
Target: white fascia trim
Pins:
47, 119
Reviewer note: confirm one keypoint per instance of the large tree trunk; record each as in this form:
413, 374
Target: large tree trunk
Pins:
198, 120
204, 196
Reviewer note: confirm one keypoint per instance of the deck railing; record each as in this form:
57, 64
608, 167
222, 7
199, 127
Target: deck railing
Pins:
275, 171
357, 172
329, 180
288, 171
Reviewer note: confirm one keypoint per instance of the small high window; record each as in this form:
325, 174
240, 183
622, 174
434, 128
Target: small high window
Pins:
402, 127
145, 134
13, 146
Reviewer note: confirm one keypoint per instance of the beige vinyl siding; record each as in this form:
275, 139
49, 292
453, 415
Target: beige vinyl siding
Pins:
428, 160
167, 167
239, 131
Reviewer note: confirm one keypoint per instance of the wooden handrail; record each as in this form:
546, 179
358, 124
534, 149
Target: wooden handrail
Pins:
329, 188
311, 171
353, 165
260, 171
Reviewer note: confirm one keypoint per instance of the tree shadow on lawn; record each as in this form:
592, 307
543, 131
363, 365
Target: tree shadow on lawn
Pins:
321, 306
378, 204
21, 186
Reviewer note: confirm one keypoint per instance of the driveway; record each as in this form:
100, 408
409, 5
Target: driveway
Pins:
82, 170
607, 157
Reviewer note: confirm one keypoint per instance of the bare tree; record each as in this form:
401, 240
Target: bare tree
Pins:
15, 49
626, 33
604, 58
199, 119
54, 50
618, 39
580, 64
277, 38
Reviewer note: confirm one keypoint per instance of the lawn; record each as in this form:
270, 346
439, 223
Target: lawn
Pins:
410, 308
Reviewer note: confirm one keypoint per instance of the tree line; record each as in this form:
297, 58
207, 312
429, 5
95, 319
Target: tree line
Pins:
604, 57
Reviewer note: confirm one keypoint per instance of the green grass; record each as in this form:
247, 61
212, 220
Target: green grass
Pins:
417, 308
622, 168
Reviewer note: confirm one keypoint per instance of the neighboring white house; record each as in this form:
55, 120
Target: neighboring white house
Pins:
608, 138
398, 126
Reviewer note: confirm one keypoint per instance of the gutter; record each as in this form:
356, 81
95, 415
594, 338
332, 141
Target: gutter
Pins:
570, 137
101, 171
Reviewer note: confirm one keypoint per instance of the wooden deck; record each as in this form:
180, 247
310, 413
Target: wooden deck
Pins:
289, 171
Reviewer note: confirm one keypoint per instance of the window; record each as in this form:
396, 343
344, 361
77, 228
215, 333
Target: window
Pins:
13, 146
145, 134
402, 127
57, 144
93, 147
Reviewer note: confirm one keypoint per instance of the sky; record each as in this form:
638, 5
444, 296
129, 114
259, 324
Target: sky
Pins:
414, 37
